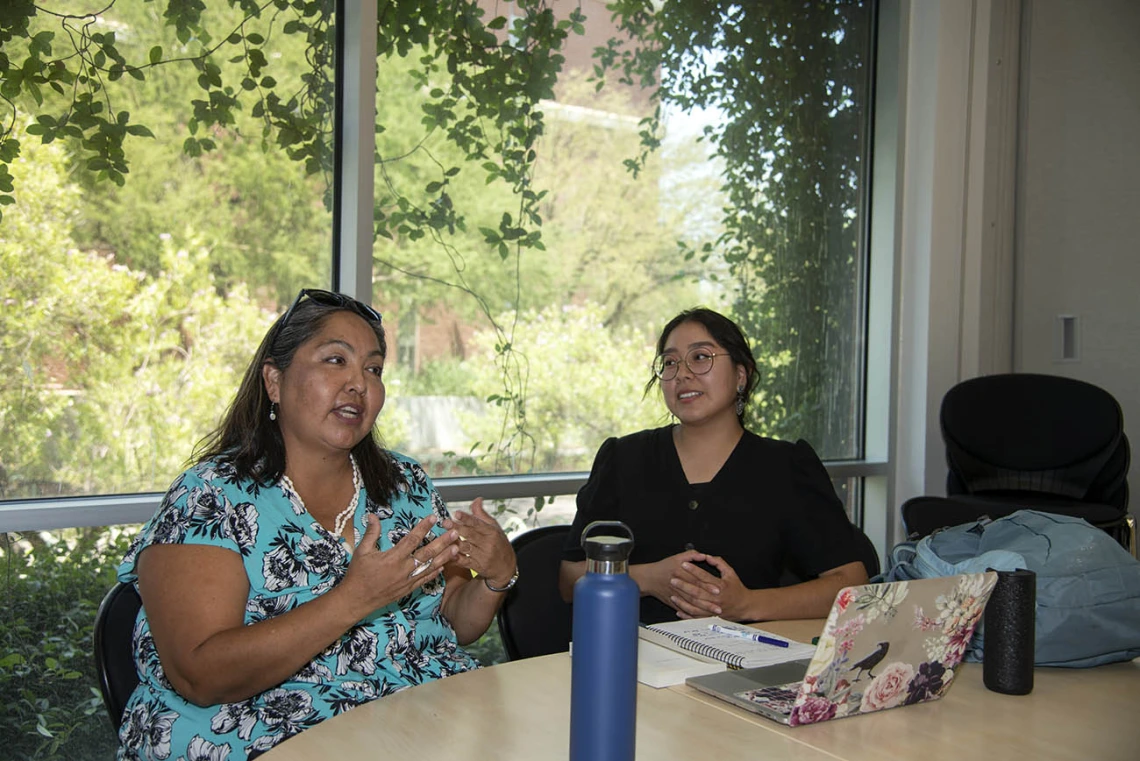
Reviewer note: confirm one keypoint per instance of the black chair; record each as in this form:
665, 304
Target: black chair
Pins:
534, 620
1027, 441
114, 656
868, 554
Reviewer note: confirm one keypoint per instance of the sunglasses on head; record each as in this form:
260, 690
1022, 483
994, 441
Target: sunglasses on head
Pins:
332, 299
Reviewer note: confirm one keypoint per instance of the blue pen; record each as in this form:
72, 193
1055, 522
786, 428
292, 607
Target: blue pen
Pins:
748, 635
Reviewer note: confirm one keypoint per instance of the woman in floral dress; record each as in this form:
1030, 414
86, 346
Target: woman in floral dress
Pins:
298, 569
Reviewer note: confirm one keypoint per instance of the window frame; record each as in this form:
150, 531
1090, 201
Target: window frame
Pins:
352, 274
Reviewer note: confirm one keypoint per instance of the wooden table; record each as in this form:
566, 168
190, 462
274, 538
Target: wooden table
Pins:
1071, 714
521, 711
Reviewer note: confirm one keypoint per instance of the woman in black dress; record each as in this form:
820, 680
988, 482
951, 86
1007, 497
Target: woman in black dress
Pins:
720, 516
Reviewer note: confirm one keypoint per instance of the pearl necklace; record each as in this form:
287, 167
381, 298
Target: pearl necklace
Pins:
347, 513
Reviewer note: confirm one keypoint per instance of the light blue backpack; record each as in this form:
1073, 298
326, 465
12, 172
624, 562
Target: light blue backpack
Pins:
1088, 586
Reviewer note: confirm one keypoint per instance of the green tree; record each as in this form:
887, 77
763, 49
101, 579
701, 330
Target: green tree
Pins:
52, 293
50, 708
119, 369
789, 83
570, 355
613, 236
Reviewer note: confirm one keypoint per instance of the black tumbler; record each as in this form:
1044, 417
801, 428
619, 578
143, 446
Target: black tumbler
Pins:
1010, 618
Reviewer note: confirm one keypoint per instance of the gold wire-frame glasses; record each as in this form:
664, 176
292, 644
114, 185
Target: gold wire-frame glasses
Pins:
698, 360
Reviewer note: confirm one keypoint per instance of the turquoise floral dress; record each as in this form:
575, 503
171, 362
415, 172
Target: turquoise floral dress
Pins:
289, 559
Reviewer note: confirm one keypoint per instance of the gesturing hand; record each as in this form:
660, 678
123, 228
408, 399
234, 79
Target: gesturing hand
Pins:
483, 546
379, 578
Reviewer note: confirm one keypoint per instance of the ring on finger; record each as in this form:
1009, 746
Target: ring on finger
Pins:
421, 566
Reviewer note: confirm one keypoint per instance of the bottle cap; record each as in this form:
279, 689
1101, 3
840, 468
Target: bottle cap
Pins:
607, 547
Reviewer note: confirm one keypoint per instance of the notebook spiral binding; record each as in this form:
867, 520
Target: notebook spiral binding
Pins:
702, 648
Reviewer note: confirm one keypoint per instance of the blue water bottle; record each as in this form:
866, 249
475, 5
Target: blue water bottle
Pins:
603, 662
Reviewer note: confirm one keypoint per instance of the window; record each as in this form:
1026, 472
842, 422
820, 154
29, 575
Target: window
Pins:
519, 359
519, 292
128, 312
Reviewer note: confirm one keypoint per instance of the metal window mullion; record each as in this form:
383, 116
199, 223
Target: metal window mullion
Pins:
356, 147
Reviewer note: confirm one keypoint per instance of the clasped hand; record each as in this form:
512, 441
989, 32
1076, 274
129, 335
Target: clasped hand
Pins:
695, 593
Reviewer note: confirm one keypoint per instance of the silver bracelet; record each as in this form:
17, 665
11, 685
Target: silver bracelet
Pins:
514, 580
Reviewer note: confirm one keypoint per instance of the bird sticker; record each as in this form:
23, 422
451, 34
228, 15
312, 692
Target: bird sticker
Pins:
871, 661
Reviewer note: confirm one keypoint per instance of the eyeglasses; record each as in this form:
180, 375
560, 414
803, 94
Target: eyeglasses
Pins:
699, 361
332, 299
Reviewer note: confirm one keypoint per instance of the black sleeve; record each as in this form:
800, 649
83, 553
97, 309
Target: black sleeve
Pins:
819, 534
597, 499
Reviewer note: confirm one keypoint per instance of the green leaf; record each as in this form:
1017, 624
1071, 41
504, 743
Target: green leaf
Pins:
155, 54
12, 659
42, 43
139, 130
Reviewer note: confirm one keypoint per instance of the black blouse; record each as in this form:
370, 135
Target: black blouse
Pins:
771, 507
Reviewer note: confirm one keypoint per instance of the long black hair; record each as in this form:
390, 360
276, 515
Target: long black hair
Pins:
252, 443
726, 333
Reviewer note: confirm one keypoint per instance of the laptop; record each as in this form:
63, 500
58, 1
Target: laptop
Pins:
884, 645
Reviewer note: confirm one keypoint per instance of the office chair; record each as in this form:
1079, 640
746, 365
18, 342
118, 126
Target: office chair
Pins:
534, 620
868, 554
114, 656
1022, 440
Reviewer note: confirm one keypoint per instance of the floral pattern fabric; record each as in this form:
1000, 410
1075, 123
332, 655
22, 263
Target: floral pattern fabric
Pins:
868, 657
855, 682
289, 559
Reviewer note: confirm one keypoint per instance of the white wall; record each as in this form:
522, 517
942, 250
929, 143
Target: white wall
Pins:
1078, 242
954, 281
1020, 177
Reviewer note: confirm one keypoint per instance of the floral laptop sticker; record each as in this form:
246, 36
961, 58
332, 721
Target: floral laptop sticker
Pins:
883, 646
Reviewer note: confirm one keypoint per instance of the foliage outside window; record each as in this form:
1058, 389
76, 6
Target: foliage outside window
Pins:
503, 192
533, 232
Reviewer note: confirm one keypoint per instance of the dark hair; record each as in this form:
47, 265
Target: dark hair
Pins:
251, 442
726, 333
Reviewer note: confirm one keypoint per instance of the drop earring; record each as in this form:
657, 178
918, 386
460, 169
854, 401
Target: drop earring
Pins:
739, 401
273, 411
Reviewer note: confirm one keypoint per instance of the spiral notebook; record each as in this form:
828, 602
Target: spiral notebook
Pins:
883, 646
713, 638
